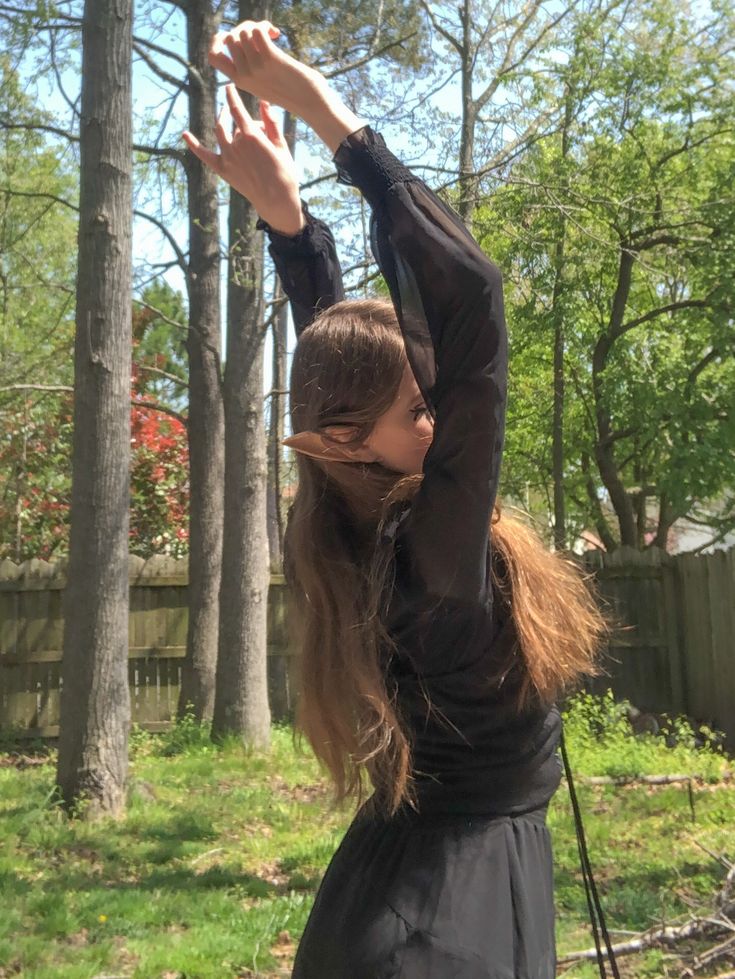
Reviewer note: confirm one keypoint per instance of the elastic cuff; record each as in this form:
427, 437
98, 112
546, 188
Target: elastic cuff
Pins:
292, 243
363, 160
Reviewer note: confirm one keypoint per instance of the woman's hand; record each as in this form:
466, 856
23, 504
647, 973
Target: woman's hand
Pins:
248, 56
250, 59
257, 162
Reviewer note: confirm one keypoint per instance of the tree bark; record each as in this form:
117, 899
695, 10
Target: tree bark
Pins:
206, 411
277, 403
95, 698
275, 434
604, 454
666, 519
467, 177
557, 431
603, 530
241, 701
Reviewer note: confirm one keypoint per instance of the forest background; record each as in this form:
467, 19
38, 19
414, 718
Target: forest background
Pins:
588, 146
590, 149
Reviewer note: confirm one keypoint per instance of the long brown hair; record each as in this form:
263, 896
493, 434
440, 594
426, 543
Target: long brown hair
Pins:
347, 368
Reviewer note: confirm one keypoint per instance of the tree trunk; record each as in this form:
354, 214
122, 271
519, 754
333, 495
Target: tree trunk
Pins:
604, 455
666, 518
206, 411
603, 530
95, 698
241, 701
275, 434
557, 429
21, 478
639, 499
277, 403
467, 180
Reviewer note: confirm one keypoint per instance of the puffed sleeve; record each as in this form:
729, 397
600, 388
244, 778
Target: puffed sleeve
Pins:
448, 299
307, 266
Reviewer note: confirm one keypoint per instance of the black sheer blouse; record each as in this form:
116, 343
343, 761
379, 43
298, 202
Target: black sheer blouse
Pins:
472, 752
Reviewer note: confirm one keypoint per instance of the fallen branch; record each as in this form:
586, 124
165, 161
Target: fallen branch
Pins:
668, 935
706, 926
648, 779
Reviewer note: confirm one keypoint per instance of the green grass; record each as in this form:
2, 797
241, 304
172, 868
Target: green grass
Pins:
213, 871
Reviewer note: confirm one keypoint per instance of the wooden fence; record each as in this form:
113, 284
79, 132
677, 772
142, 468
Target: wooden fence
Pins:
31, 635
676, 651
675, 654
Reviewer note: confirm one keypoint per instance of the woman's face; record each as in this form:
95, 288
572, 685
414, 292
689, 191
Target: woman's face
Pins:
402, 434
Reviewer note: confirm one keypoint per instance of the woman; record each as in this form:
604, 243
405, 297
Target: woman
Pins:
434, 634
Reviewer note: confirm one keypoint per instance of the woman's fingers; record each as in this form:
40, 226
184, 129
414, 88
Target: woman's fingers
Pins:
248, 44
260, 39
223, 137
238, 111
264, 26
218, 57
239, 60
270, 126
210, 159
255, 44
272, 30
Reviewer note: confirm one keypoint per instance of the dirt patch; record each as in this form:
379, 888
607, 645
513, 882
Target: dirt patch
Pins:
271, 872
284, 948
301, 792
24, 761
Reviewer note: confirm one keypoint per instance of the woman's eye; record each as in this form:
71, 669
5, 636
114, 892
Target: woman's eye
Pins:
417, 412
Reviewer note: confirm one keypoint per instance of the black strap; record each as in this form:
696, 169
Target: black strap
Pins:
587, 870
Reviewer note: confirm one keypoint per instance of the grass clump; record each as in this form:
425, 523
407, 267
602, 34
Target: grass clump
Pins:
604, 742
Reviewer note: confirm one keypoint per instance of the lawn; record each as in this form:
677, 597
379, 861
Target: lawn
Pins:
213, 871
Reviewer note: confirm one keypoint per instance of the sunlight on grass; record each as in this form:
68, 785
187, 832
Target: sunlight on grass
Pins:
214, 870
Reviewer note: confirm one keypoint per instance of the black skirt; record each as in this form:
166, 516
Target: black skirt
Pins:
435, 897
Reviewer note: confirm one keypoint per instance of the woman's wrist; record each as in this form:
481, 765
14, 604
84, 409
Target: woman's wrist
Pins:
287, 220
323, 110
289, 228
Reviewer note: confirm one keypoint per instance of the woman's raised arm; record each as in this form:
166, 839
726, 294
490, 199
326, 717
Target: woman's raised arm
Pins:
449, 301
308, 267
257, 162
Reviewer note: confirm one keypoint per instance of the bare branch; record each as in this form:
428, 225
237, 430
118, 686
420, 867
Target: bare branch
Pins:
166, 411
167, 151
180, 256
655, 313
39, 127
507, 63
161, 315
178, 83
503, 155
36, 387
370, 56
459, 48
180, 381
40, 194
73, 138
168, 53
318, 180
275, 392
57, 74
687, 145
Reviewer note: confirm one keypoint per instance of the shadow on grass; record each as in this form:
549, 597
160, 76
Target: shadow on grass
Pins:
630, 897
181, 879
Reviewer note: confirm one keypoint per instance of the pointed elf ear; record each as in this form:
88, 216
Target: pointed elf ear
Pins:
314, 444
